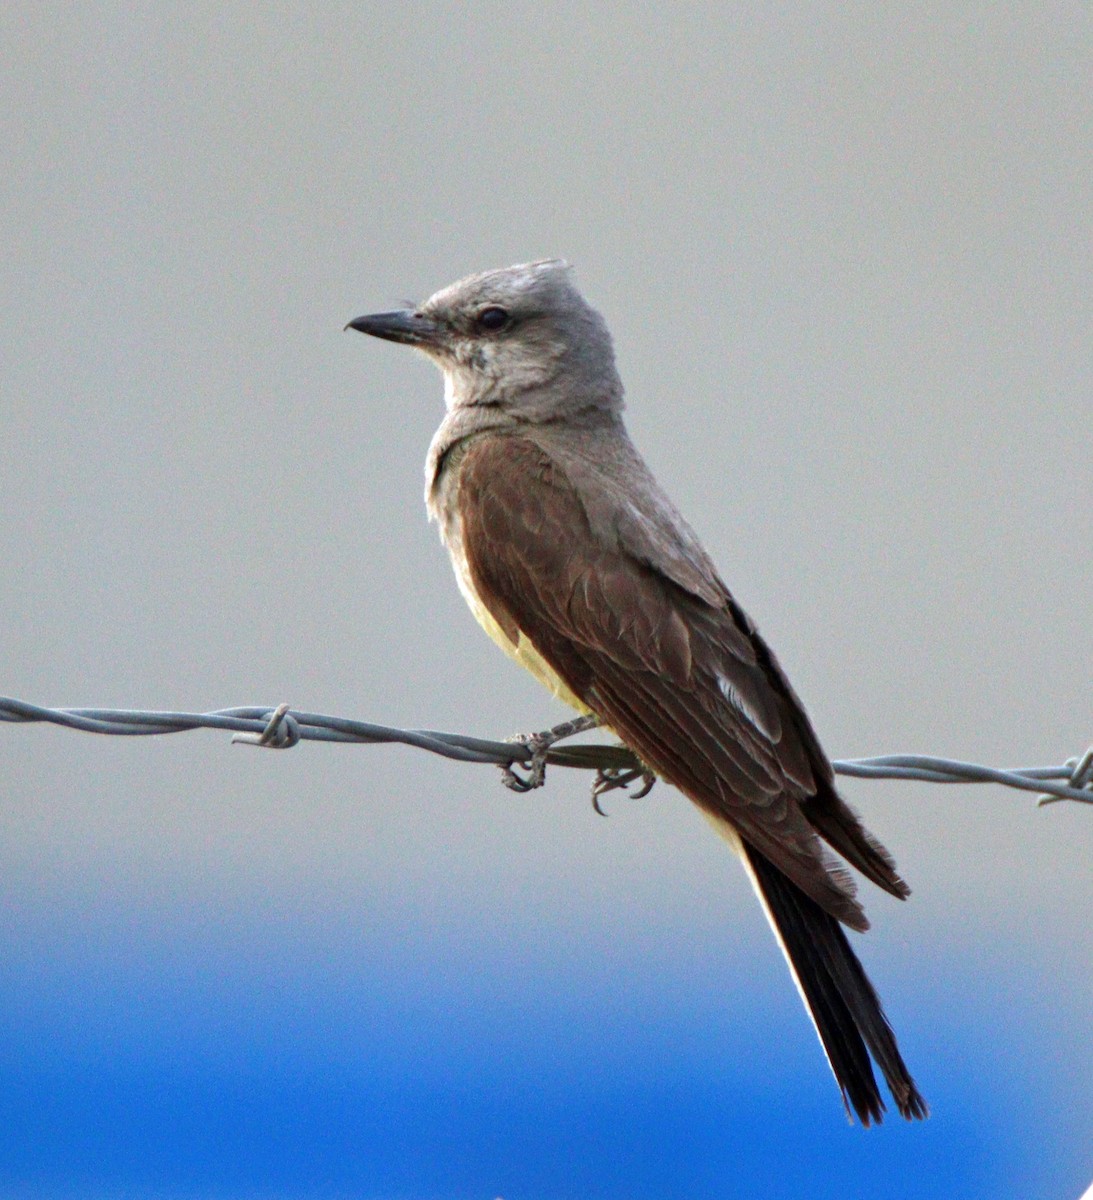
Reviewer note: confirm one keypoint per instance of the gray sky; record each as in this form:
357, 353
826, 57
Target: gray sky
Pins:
845, 253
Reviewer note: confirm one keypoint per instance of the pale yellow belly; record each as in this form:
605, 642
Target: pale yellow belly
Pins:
522, 650
444, 506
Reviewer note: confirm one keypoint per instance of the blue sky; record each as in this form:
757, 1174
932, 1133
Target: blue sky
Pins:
212, 1058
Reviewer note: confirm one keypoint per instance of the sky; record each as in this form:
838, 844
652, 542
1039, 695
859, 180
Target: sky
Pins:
845, 254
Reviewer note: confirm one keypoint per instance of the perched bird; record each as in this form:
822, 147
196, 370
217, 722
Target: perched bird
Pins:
579, 566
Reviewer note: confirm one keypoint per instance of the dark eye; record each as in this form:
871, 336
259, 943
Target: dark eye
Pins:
492, 319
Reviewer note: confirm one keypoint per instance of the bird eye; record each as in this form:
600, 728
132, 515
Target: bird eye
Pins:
493, 319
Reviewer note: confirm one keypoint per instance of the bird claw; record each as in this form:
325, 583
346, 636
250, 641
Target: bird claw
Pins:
609, 778
538, 744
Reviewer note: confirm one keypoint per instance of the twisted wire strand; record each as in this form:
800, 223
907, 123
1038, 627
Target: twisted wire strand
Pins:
281, 728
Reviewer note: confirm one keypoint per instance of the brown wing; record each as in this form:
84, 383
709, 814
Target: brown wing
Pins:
689, 686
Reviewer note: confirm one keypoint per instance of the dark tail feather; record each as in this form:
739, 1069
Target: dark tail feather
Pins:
840, 999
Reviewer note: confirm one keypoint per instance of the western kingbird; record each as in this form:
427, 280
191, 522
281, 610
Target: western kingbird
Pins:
579, 566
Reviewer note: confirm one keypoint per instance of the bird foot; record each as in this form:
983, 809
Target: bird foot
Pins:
539, 744
609, 778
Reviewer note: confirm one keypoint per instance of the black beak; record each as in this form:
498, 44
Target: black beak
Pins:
403, 325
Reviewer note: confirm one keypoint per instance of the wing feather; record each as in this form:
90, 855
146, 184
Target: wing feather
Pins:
689, 686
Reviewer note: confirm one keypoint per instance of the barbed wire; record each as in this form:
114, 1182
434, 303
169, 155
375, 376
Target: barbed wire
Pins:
281, 728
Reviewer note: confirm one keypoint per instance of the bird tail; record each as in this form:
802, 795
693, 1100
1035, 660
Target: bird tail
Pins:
840, 999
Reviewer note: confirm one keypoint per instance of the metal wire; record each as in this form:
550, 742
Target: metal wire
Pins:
281, 728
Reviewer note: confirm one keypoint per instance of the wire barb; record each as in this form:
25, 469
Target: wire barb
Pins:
278, 728
282, 731
1081, 779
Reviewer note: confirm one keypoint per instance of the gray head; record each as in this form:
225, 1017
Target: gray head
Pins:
520, 338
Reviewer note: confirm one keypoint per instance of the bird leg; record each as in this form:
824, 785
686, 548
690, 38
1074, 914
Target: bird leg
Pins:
539, 744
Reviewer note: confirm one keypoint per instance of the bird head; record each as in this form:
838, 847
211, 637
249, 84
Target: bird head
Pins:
520, 338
